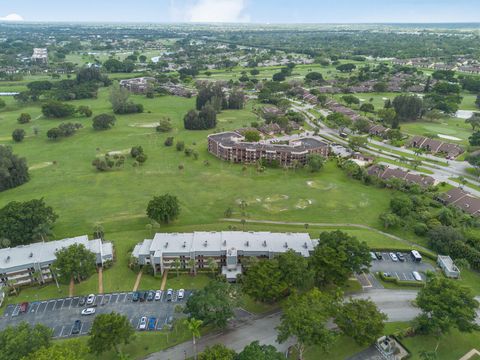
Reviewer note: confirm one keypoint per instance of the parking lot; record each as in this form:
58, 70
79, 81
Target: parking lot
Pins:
402, 270
60, 314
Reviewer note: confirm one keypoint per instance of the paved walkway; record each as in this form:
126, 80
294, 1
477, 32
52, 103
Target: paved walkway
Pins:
358, 226
71, 287
164, 280
100, 280
137, 281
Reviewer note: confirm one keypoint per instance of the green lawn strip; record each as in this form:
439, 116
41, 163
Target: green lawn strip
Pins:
404, 165
447, 126
468, 183
407, 155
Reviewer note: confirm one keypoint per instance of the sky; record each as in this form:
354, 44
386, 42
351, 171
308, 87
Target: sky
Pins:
255, 11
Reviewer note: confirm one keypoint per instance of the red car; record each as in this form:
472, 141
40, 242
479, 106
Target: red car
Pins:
23, 307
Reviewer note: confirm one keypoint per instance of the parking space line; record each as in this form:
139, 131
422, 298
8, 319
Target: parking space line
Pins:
81, 327
61, 331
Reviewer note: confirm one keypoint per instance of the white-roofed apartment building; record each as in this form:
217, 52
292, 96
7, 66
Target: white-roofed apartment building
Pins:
227, 248
19, 264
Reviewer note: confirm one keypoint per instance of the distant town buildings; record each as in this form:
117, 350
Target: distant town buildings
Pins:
227, 248
40, 56
231, 146
138, 85
436, 146
19, 264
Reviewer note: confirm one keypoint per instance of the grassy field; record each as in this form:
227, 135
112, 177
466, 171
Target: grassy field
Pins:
448, 126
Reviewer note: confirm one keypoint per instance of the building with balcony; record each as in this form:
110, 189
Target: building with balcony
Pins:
231, 146
227, 248
26, 264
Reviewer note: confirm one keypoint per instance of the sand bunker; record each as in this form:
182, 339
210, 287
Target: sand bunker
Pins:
321, 186
118, 152
303, 203
145, 125
40, 165
448, 137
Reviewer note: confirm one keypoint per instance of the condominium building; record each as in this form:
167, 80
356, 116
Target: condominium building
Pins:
227, 248
231, 146
138, 85
40, 55
22, 264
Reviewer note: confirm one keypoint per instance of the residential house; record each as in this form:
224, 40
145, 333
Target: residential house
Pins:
463, 200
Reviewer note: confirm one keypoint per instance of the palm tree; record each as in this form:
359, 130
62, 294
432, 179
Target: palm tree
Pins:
191, 265
243, 221
42, 232
212, 265
37, 275
176, 265
193, 326
10, 284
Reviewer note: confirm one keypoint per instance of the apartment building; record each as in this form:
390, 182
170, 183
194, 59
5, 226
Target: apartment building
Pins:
227, 248
22, 264
231, 146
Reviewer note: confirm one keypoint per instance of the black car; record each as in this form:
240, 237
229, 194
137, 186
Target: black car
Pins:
150, 295
81, 301
142, 296
379, 255
76, 327
136, 295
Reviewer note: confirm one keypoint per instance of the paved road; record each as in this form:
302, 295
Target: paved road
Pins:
440, 173
397, 304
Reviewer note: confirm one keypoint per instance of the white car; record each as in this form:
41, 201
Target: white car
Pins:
393, 256
158, 295
143, 323
181, 294
88, 311
169, 294
417, 276
90, 299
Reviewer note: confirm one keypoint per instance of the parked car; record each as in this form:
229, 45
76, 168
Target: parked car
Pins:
143, 323
88, 311
82, 300
77, 325
181, 294
152, 322
417, 276
24, 307
150, 295
90, 299
373, 256
158, 295
170, 322
379, 255
169, 294
135, 296
393, 257
142, 296
400, 256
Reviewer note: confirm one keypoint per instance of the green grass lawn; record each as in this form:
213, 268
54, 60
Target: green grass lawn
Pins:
448, 126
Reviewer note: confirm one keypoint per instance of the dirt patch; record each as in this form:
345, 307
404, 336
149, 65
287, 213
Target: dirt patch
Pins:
303, 203
321, 186
40, 165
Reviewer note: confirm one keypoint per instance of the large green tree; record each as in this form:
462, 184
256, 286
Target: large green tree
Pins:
73, 350
163, 209
74, 261
305, 317
20, 222
337, 256
361, 320
315, 162
109, 331
218, 352
13, 169
22, 340
255, 351
214, 304
445, 304
294, 269
263, 281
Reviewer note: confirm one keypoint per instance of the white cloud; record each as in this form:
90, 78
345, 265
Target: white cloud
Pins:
11, 17
210, 11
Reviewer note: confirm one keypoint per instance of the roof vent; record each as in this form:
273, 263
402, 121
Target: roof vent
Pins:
247, 244
7, 259
31, 254
305, 245
184, 244
264, 243
224, 242
166, 244
205, 243
285, 245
